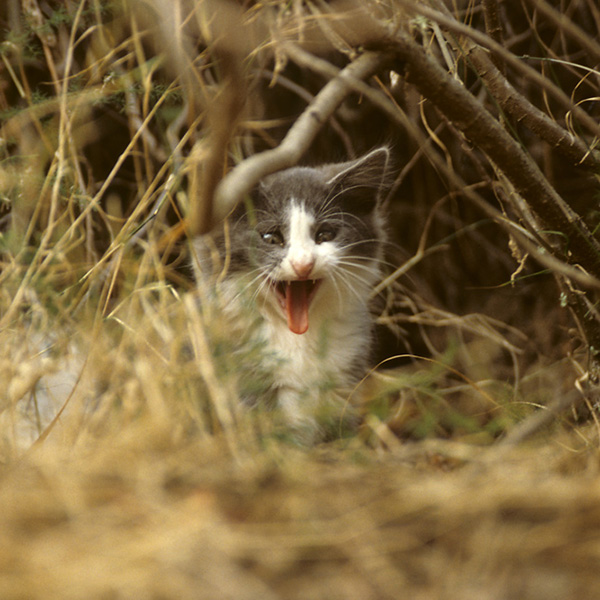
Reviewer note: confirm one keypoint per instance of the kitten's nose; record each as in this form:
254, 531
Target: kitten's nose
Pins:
302, 268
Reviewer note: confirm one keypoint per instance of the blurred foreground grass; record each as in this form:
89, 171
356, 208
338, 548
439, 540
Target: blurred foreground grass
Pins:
150, 511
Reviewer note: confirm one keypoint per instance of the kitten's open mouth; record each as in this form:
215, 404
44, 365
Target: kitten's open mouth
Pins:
294, 298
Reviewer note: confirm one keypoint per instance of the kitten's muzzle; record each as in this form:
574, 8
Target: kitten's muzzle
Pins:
303, 268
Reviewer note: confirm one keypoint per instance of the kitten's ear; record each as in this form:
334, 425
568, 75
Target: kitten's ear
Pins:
371, 168
364, 177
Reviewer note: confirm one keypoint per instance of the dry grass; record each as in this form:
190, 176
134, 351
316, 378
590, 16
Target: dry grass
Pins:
128, 468
142, 515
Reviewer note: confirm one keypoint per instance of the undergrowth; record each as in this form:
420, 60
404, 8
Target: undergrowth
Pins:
99, 142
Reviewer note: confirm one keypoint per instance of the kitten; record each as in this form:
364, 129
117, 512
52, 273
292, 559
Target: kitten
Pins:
307, 248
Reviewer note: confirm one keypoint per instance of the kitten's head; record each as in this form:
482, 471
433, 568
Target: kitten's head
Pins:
311, 238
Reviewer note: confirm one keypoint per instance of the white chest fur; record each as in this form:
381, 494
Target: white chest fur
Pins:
314, 373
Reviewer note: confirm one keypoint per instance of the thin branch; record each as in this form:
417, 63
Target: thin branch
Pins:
540, 419
583, 40
301, 92
249, 172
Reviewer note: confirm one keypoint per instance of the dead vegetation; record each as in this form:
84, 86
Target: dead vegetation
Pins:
128, 468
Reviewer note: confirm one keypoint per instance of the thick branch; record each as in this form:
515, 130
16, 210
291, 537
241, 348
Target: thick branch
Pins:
249, 172
223, 114
230, 47
493, 25
461, 108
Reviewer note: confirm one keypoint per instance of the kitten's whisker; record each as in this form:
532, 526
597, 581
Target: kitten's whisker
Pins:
379, 260
363, 242
247, 285
351, 290
352, 280
333, 279
358, 280
370, 264
264, 283
367, 269
331, 198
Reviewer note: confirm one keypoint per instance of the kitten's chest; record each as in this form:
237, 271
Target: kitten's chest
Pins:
331, 354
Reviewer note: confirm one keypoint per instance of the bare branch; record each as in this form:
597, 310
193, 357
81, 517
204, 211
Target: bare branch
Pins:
223, 115
230, 47
249, 172
587, 44
519, 65
522, 111
461, 108
493, 26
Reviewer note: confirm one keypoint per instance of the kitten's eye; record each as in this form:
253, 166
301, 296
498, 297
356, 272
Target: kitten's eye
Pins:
273, 237
325, 234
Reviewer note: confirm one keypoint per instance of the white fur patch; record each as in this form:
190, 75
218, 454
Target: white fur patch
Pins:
301, 246
301, 222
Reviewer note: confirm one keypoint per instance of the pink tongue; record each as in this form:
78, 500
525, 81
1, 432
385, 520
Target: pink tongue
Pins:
296, 305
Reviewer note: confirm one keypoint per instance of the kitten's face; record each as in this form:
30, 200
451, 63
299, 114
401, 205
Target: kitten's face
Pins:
311, 238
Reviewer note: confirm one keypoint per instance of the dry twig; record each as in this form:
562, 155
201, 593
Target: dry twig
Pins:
249, 172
